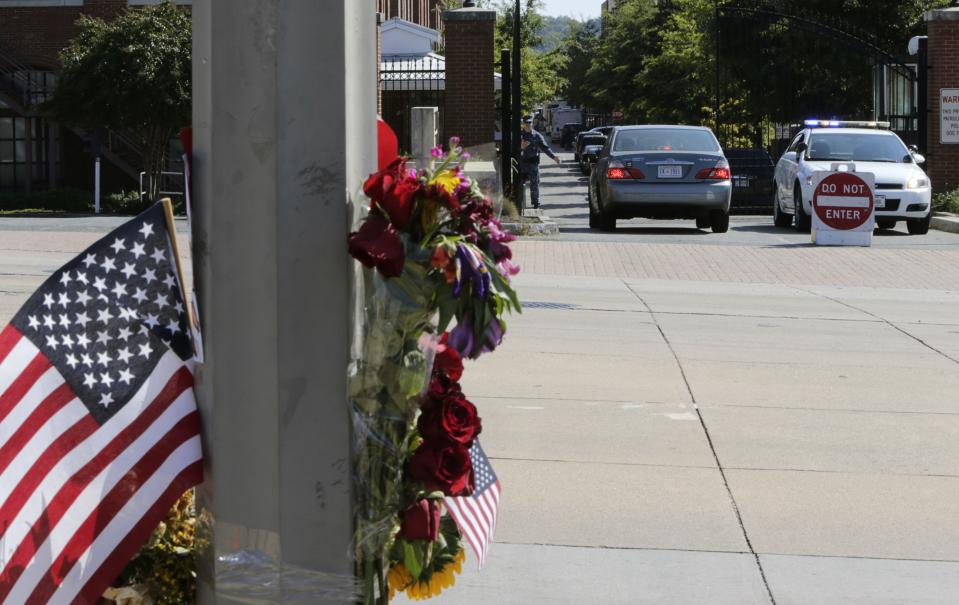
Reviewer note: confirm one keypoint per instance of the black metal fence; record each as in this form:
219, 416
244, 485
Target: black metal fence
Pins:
766, 75
412, 81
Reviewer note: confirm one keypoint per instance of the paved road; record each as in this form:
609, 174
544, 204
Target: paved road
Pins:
564, 194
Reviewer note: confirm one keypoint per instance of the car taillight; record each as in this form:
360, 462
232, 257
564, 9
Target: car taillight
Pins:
720, 172
618, 171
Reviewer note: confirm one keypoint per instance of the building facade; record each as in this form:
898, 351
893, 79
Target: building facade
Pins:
35, 153
427, 13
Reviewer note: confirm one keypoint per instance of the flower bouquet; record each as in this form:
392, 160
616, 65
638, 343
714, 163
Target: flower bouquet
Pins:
435, 256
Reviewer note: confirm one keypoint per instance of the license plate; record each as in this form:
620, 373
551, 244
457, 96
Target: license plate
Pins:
670, 172
880, 202
741, 182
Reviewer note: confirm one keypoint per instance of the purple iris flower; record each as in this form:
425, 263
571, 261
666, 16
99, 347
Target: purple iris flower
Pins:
461, 337
493, 336
470, 267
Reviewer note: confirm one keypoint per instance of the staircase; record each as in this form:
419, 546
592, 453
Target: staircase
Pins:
24, 91
18, 89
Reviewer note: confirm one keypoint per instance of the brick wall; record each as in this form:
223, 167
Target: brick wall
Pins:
34, 36
943, 160
470, 103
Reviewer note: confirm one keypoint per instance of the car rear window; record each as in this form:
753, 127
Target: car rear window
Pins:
593, 139
857, 147
665, 139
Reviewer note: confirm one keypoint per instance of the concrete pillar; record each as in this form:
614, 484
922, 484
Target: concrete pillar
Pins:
284, 134
942, 156
423, 131
470, 106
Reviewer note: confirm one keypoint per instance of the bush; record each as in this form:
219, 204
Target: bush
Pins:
57, 200
127, 202
78, 202
947, 201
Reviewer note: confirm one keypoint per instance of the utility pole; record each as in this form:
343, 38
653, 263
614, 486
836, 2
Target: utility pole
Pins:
517, 101
506, 130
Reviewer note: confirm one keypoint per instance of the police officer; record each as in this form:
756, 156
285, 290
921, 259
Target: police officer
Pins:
533, 144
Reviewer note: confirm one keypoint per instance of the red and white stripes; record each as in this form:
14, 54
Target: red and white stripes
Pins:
77, 499
476, 517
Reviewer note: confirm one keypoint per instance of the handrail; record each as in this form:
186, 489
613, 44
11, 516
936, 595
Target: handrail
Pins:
20, 77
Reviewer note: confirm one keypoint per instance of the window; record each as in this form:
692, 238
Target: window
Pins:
16, 147
665, 139
857, 147
795, 144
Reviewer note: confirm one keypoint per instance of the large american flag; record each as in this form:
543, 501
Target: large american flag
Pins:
99, 434
475, 515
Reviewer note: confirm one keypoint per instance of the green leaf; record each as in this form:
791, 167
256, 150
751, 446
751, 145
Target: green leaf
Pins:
412, 559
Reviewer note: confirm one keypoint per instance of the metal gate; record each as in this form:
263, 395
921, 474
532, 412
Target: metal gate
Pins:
767, 55
407, 82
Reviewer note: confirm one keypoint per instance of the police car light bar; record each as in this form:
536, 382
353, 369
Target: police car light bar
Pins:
846, 124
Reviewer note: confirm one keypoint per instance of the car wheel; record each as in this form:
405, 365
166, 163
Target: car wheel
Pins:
720, 221
703, 222
919, 226
780, 218
886, 223
802, 221
593, 216
607, 220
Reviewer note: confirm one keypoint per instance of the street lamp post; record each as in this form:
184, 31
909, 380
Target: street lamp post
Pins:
517, 102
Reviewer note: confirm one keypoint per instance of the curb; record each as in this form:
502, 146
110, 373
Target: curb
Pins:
942, 221
536, 224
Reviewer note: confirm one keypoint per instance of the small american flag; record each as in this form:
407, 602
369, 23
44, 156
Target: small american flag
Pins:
475, 515
99, 432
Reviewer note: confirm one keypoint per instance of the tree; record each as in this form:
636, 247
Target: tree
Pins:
580, 50
656, 61
131, 75
540, 71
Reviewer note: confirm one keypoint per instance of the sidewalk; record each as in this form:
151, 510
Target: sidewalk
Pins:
673, 442
679, 419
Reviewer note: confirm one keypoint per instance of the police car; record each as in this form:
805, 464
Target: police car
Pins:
903, 191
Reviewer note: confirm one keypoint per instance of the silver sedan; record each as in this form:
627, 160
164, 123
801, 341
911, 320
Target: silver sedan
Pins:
661, 172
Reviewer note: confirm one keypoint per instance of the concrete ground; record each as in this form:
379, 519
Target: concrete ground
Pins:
685, 418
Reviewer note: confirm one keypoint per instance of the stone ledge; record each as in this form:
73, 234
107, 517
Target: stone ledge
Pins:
469, 14
943, 14
533, 226
943, 221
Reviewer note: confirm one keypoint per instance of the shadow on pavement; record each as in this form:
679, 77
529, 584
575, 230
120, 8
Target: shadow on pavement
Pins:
638, 230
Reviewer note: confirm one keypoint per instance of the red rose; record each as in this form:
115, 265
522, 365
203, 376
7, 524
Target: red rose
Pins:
452, 419
448, 360
379, 183
377, 245
442, 386
445, 468
399, 201
421, 521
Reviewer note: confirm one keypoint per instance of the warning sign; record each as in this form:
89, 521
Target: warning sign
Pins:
843, 206
949, 116
844, 201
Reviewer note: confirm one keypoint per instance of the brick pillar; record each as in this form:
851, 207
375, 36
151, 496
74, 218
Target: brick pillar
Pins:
943, 158
470, 110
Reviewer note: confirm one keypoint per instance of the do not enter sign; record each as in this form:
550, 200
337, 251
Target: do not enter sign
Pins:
844, 201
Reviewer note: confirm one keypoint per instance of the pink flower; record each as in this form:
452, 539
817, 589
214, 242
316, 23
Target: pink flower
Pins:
506, 268
437, 152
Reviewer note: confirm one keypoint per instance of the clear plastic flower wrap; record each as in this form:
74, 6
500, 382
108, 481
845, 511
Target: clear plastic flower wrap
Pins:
389, 371
432, 252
